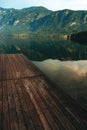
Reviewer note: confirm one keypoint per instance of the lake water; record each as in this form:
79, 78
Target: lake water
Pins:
71, 76
62, 61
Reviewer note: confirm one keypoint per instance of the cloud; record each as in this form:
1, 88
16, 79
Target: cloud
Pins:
79, 68
76, 69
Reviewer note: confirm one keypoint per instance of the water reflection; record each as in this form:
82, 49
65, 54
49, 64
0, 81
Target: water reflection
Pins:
35, 48
70, 75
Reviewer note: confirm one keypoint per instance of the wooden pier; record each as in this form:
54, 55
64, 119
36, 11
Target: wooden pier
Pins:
30, 101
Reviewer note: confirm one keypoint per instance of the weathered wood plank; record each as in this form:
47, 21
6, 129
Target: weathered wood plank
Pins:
1, 102
15, 105
5, 117
12, 107
37, 107
31, 109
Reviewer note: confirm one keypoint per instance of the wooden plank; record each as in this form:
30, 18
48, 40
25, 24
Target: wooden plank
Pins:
30, 65
0, 67
18, 120
37, 107
12, 107
11, 102
24, 109
25, 71
5, 118
1, 107
20, 115
45, 109
31, 111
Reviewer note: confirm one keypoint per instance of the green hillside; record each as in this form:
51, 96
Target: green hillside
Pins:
40, 20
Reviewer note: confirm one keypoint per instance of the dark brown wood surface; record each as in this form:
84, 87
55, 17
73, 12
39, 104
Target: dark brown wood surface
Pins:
30, 101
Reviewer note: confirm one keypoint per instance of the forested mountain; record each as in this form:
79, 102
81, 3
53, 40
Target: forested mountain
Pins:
40, 19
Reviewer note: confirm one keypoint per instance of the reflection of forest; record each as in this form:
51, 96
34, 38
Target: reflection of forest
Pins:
41, 48
80, 37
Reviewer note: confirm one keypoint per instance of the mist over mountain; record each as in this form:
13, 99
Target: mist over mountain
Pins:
40, 20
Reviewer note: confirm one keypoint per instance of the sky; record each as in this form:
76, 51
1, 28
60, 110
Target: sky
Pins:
50, 4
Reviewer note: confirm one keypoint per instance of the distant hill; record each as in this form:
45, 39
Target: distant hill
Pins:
42, 20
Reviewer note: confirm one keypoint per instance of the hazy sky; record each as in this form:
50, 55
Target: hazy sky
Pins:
50, 4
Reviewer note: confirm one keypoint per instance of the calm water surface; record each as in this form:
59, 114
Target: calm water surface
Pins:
71, 76
64, 62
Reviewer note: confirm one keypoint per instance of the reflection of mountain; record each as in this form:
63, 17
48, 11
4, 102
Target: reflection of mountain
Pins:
39, 49
80, 37
39, 19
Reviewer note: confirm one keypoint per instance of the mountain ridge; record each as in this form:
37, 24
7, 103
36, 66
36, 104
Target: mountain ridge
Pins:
41, 20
